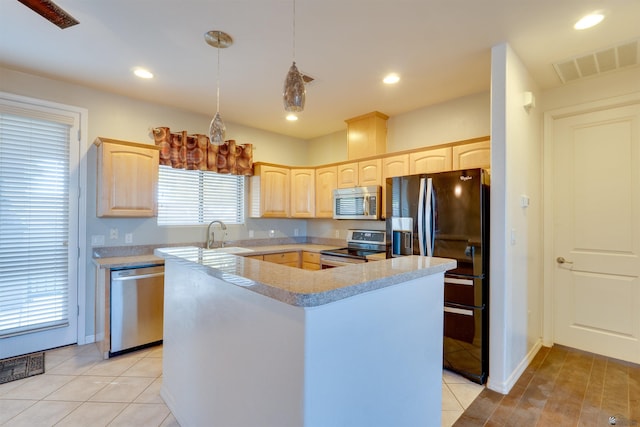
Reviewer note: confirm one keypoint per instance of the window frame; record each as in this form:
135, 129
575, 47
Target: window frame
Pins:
78, 250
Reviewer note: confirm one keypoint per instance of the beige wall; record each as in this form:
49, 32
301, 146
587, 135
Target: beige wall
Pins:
516, 231
327, 149
119, 117
592, 89
456, 120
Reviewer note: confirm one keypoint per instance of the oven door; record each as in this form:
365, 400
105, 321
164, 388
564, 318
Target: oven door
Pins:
330, 261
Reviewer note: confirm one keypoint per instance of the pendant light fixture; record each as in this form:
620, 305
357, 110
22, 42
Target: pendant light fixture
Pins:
294, 92
219, 40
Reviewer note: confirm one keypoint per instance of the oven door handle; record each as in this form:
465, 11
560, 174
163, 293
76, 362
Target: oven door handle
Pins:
332, 261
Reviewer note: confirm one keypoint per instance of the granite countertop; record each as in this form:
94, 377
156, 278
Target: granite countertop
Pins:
135, 259
304, 288
128, 261
272, 249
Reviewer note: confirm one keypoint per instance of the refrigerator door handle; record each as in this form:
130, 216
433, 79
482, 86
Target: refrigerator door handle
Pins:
421, 212
457, 310
428, 220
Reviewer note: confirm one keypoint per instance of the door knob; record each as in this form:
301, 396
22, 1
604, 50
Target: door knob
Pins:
561, 260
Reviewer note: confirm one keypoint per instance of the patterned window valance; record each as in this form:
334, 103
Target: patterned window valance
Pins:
183, 151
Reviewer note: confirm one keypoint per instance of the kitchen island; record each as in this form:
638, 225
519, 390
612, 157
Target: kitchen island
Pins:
252, 343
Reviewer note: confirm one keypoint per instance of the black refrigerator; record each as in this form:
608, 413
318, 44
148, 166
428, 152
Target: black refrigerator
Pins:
447, 215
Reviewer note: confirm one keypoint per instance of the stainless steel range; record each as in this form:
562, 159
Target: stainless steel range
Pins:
361, 246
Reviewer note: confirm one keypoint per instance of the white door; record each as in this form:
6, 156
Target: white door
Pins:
39, 192
597, 232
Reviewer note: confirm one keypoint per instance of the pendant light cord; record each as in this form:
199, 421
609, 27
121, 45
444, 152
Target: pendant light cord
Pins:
218, 79
294, 31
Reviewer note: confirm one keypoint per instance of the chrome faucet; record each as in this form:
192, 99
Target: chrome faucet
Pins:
212, 240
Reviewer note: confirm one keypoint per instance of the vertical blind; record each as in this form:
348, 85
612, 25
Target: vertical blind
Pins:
34, 223
192, 197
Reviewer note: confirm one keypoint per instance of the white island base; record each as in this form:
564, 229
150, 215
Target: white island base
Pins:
236, 358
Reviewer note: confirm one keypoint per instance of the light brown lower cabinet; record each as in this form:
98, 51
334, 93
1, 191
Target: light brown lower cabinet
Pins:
310, 260
304, 259
292, 259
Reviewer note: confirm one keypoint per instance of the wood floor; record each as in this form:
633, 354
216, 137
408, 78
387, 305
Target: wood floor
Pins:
563, 387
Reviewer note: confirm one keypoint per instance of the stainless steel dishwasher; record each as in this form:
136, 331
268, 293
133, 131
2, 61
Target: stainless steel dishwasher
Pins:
137, 307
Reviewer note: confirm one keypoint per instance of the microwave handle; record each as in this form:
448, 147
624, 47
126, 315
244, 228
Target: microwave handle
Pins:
365, 204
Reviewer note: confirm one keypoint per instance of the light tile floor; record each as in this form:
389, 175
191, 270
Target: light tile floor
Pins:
457, 394
79, 388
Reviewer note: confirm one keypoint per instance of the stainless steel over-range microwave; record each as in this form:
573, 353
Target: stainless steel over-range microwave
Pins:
357, 202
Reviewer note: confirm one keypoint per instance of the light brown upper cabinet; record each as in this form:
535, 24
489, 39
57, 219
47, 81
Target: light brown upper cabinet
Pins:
370, 172
127, 180
472, 155
270, 189
326, 182
392, 166
395, 166
367, 135
431, 161
348, 175
303, 190
360, 174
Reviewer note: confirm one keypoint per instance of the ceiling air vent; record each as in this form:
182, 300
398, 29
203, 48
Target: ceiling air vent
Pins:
603, 61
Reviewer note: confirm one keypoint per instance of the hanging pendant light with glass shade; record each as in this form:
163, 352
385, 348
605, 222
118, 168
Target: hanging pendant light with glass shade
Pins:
219, 40
294, 92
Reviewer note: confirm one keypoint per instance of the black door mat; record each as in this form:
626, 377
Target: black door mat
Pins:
16, 368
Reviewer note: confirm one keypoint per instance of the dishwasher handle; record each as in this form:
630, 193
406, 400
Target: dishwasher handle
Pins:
138, 272
136, 277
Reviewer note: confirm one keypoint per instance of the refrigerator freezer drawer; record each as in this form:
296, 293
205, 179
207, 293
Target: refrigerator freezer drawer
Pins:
465, 349
465, 291
463, 324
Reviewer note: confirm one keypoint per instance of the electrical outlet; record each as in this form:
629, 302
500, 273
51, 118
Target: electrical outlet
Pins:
128, 238
272, 233
113, 233
296, 232
97, 240
251, 234
337, 233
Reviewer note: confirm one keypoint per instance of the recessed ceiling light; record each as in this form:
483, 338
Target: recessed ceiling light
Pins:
589, 21
292, 117
142, 73
391, 79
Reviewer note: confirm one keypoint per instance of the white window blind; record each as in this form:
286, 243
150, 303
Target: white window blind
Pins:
192, 197
34, 222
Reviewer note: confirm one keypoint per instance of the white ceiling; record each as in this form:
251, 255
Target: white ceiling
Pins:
441, 49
